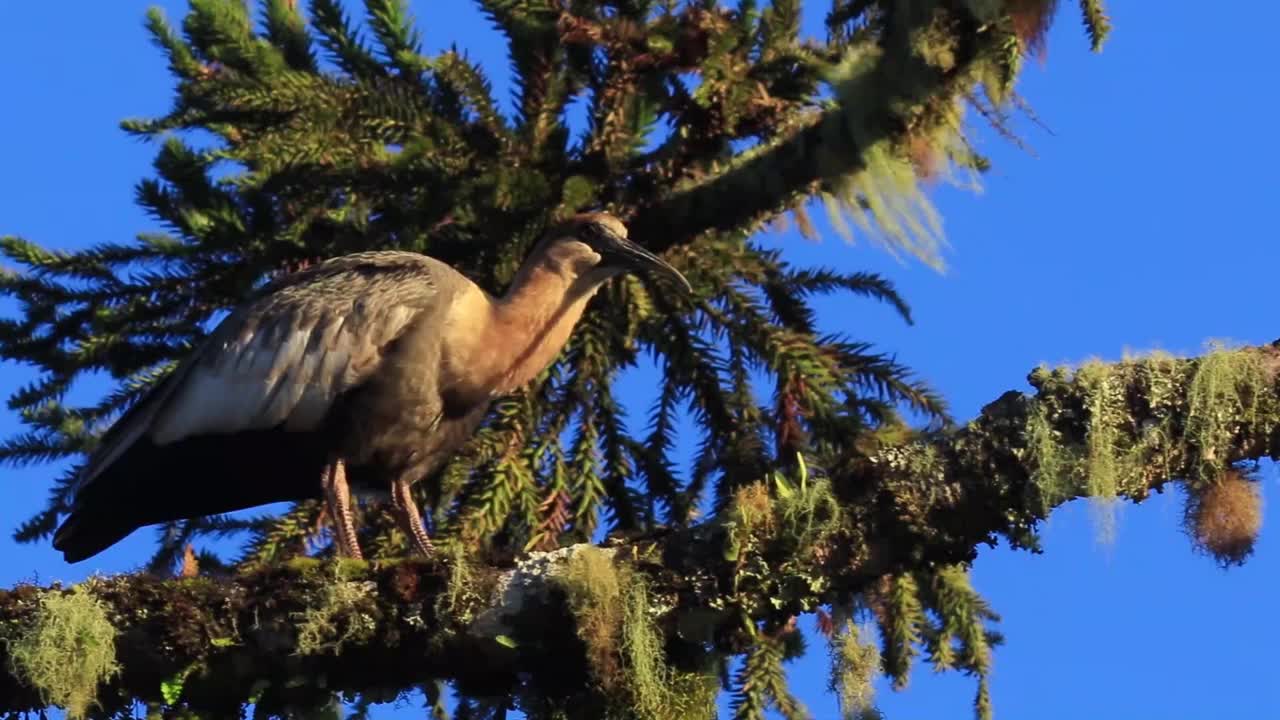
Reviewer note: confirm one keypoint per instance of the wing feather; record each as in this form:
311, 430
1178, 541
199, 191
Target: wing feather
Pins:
284, 356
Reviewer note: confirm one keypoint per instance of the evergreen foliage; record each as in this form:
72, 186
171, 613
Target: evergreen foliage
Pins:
303, 133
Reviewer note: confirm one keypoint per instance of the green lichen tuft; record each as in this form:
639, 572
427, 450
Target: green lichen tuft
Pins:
340, 615
68, 650
778, 535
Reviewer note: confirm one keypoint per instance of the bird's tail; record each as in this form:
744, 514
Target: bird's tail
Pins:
207, 475
83, 535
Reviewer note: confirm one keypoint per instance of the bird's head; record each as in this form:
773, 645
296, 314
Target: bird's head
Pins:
594, 247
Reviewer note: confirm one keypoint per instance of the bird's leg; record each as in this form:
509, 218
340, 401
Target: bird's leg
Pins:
409, 516
337, 497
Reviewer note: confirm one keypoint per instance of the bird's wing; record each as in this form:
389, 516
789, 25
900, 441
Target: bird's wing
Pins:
284, 356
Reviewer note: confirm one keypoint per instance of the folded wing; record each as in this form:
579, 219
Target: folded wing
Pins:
285, 356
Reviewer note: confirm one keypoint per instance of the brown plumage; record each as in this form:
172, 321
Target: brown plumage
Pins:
369, 370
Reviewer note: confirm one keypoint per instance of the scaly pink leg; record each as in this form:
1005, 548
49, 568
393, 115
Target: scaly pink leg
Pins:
409, 516
337, 497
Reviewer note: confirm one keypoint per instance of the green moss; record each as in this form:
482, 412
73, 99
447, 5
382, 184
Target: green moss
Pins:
887, 204
1162, 377
642, 645
341, 615
1104, 401
68, 650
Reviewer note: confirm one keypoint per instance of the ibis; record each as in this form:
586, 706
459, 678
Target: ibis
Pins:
361, 373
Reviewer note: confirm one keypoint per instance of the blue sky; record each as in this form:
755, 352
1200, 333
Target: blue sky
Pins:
1141, 222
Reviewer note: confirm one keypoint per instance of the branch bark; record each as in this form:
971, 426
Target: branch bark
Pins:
291, 635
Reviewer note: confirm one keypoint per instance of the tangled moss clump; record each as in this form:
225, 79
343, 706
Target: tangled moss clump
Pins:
753, 509
809, 510
340, 616
68, 650
1224, 518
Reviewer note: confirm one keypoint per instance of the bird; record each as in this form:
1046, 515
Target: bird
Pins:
363, 372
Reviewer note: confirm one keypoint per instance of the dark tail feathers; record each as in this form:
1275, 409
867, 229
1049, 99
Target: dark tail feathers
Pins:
199, 476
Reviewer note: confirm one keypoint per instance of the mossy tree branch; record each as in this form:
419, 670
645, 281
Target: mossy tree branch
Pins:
885, 95
896, 504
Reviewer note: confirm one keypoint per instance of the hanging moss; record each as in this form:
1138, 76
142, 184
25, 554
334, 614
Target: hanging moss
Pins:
616, 622
1115, 455
887, 204
1105, 405
594, 588
1053, 463
1141, 421
1228, 392
462, 590
68, 651
1104, 469
659, 690
854, 665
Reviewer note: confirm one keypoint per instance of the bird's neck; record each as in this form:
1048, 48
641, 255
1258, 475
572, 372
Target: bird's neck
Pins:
533, 321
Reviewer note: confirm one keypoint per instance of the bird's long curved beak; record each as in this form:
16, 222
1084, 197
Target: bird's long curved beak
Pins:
627, 254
